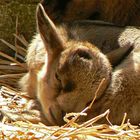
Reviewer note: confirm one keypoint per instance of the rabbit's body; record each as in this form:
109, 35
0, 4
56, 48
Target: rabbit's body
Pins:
123, 93
65, 70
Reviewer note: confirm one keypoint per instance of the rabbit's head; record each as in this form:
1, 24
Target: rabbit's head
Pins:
71, 74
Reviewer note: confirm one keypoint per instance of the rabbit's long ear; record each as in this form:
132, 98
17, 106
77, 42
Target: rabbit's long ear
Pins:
48, 31
116, 56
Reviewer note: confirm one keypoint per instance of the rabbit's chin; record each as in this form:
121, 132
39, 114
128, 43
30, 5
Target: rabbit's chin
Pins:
55, 116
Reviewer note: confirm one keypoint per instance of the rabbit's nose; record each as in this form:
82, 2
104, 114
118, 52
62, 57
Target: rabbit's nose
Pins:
61, 121
57, 115
63, 113
84, 54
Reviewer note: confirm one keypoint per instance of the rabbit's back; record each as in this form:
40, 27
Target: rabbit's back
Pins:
123, 94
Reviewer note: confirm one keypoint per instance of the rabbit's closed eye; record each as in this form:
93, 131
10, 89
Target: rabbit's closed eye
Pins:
69, 86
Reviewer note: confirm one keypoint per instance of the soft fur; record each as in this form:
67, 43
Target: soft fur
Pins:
65, 70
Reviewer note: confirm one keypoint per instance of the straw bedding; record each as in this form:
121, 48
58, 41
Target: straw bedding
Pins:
13, 106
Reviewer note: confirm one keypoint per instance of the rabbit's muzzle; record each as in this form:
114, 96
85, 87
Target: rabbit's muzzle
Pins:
55, 115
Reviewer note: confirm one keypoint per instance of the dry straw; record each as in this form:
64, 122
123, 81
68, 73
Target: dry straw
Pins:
12, 68
12, 103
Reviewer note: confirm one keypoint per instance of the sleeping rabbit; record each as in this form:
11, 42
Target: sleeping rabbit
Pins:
66, 67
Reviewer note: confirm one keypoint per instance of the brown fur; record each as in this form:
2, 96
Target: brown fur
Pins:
120, 12
65, 70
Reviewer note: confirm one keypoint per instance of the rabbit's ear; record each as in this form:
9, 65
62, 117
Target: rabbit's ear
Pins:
119, 54
48, 31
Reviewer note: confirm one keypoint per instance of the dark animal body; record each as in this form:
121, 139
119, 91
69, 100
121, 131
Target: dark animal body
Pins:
119, 12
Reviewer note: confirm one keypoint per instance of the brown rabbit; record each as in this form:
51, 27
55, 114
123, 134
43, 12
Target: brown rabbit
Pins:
65, 71
119, 12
